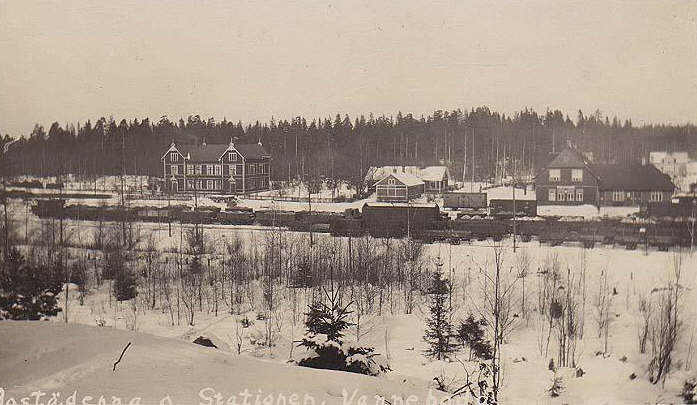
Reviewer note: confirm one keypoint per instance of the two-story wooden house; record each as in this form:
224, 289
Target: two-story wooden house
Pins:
216, 168
569, 179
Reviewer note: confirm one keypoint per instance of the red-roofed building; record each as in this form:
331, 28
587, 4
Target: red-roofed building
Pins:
569, 179
216, 168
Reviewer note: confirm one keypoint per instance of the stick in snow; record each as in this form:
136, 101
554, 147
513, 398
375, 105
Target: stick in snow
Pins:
121, 356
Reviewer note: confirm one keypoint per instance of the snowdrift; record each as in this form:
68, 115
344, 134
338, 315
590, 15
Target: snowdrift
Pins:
66, 358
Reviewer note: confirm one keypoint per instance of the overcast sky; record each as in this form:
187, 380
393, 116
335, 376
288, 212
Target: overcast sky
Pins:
69, 61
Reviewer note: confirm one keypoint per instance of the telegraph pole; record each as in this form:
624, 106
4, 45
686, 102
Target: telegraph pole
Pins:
514, 183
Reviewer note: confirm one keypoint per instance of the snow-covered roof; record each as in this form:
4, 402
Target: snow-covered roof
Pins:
407, 179
429, 173
434, 173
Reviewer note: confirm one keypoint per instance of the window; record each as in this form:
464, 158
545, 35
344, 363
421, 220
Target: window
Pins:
210, 184
391, 182
174, 157
552, 194
579, 194
251, 169
233, 170
617, 196
198, 184
218, 185
218, 170
239, 170
232, 156
189, 169
577, 175
554, 174
175, 170
190, 184
209, 170
656, 196
197, 169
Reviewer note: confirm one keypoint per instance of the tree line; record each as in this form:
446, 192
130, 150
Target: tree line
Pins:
476, 144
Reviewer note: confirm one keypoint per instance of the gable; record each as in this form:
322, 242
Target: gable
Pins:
386, 181
568, 158
172, 148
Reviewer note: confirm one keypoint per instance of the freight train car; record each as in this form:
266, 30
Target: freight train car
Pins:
275, 218
237, 216
384, 219
482, 229
457, 200
504, 208
682, 206
52, 208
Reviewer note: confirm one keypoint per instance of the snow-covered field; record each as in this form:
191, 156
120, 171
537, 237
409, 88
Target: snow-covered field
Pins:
632, 274
395, 334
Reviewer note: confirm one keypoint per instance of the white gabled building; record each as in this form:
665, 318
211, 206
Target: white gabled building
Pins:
678, 166
436, 179
399, 187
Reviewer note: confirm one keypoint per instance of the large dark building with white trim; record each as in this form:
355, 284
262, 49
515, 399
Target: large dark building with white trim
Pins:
216, 168
569, 179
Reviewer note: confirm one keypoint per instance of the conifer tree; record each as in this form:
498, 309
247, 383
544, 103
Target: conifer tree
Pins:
438, 327
470, 332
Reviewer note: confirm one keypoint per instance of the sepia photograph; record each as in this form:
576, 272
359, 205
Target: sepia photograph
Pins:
358, 202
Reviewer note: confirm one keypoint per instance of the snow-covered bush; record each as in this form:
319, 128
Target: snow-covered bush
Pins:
331, 355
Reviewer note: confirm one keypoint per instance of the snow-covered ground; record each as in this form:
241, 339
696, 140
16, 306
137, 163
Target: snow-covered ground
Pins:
632, 274
57, 358
300, 191
71, 182
586, 211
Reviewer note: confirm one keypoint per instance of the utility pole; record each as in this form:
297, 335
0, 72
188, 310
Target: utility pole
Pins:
464, 163
5, 148
514, 213
472, 184
309, 206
